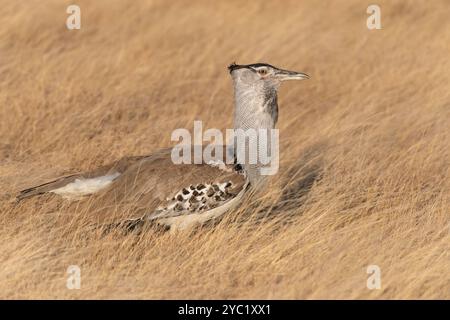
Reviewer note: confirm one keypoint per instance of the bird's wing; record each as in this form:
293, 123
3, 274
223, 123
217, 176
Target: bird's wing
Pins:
154, 187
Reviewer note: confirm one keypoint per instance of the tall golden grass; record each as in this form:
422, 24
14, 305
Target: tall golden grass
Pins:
365, 146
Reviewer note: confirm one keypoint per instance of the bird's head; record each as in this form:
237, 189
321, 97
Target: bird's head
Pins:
263, 74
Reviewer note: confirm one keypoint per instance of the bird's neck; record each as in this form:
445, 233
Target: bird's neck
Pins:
255, 109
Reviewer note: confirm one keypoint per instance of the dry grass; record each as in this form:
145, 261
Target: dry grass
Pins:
365, 146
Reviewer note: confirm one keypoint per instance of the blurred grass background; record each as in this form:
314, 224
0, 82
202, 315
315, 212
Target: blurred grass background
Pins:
364, 173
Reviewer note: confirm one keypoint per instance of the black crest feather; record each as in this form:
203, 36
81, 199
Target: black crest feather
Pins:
235, 66
232, 67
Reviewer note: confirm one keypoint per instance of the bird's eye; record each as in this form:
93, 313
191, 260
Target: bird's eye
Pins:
262, 71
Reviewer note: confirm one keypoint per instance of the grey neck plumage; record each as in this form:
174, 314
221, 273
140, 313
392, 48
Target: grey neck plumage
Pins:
256, 107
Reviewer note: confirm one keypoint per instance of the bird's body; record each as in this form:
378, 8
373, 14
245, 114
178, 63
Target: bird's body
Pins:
148, 187
154, 188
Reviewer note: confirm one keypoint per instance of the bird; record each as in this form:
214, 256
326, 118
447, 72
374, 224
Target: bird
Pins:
179, 196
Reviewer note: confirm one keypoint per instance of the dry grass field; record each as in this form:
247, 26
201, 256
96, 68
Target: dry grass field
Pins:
365, 146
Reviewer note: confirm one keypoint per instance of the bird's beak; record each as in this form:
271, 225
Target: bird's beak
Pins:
284, 75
